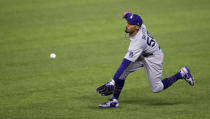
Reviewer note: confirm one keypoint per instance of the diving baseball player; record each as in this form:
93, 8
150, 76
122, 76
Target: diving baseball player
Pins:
144, 52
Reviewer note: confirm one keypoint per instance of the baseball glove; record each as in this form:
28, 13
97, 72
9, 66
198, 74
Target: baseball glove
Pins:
105, 90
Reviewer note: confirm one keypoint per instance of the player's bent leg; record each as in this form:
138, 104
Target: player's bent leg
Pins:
154, 76
167, 82
184, 73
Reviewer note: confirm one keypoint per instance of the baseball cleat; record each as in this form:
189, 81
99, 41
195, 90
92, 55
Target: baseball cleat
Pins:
112, 103
187, 76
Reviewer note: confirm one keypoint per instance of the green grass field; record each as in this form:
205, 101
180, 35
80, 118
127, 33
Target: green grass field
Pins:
89, 40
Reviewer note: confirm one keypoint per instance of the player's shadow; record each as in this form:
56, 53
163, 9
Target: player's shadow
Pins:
151, 101
92, 100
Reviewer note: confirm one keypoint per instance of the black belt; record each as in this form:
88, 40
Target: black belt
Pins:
147, 54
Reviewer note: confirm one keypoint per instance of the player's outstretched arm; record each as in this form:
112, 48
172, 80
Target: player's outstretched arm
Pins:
108, 88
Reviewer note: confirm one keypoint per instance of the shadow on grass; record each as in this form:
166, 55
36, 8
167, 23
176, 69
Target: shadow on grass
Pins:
152, 101
93, 100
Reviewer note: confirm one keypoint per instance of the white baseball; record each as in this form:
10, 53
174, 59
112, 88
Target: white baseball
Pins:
52, 55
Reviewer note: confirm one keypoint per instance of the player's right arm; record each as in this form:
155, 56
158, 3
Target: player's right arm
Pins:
125, 12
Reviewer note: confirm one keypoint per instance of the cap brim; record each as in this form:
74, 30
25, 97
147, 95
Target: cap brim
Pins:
129, 21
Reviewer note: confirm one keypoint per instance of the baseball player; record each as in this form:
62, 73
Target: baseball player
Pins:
144, 52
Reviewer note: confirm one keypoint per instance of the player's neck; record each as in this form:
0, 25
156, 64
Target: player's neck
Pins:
134, 33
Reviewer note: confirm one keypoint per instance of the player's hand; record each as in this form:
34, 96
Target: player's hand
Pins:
125, 12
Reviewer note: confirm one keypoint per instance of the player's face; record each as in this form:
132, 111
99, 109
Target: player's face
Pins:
130, 28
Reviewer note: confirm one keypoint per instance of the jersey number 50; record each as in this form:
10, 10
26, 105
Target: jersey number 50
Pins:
150, 40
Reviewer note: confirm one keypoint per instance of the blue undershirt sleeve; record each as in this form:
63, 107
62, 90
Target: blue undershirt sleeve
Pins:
125, 63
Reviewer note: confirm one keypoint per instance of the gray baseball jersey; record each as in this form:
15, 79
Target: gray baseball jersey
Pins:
144, 52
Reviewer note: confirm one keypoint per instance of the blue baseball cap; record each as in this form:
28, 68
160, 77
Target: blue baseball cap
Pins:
134, 19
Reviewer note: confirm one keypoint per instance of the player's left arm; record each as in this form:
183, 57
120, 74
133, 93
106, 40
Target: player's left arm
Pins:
108, 88
131, 56
125, 63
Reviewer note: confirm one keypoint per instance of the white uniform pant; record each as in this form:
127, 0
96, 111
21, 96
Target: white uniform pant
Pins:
153, 68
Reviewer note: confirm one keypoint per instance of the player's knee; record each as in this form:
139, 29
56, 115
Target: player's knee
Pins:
157, 88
